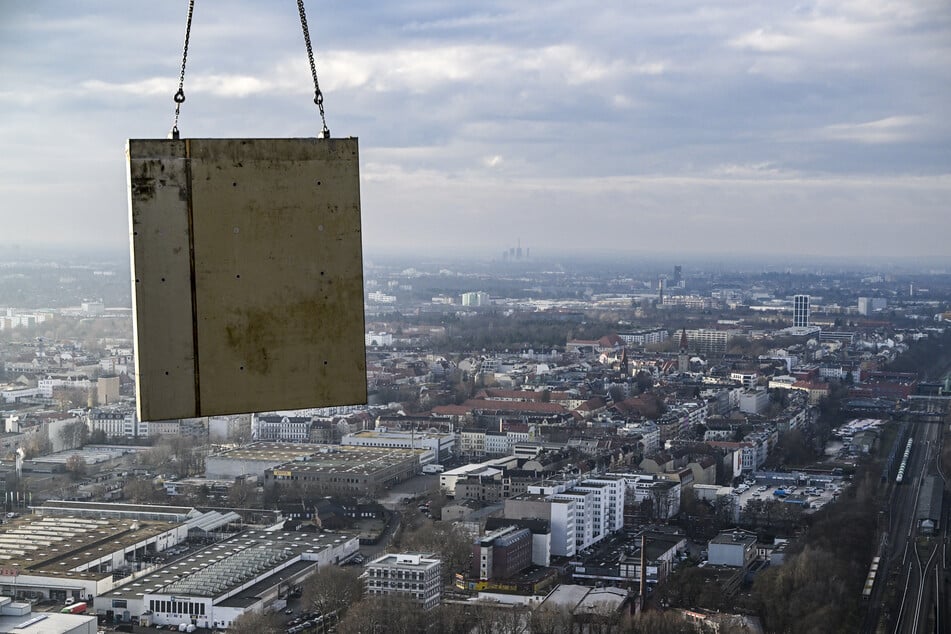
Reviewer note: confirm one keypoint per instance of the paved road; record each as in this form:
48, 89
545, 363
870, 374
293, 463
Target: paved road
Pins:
419, 485
372, 550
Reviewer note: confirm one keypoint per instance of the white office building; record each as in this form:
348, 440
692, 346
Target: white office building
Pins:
411, 575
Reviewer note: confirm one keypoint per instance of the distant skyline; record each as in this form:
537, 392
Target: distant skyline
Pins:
732, 128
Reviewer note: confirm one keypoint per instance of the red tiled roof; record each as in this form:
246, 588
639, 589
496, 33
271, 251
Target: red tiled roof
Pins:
451, 410
499, 406
591, 405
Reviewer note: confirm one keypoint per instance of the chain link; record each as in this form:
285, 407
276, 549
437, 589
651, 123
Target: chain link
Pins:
318, 96
179, 97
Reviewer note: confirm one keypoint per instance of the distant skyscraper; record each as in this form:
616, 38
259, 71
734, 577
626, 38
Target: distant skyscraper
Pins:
678, 274
801, 311
516, 253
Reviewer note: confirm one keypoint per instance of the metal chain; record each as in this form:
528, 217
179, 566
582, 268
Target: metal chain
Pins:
179, 97
318, 96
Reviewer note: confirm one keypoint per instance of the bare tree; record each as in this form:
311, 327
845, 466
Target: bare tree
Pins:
74, 435
551, 620
451, 619
75, 466
654, 622
332, 589
183, 454
725, 511
158, 455
257, 623
141, 490
493, 619
243, 494
70, 397
448, 541
384, 615
660, 501
38, 444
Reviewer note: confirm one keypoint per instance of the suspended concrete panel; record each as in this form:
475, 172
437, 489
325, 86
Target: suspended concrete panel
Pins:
248, 275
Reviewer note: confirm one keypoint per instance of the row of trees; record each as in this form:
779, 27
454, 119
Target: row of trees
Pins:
385, 615
818, 588
177, 454
88, 332
338, 593
691, 587
142, 490
930, 358
498, 331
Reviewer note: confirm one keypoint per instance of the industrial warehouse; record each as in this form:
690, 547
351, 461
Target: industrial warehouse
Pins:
188, 567
77, 557
323, 469
216, 585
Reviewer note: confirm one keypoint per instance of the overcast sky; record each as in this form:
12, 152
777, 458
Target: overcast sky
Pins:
648, 126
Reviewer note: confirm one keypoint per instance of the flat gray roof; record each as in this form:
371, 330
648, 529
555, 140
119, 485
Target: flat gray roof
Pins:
734, 537
354, 460
270, 451
54, 546
248, 596
583, 599
44, 622
207, 572
113, 507
316, 458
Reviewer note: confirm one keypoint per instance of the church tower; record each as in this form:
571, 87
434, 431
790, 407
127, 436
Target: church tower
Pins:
683, 360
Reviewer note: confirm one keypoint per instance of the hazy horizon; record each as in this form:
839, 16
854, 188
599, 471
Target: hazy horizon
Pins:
453, 256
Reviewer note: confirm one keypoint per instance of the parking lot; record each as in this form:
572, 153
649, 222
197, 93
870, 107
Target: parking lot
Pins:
817, 497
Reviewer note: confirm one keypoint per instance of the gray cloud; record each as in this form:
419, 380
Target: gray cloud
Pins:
629, 125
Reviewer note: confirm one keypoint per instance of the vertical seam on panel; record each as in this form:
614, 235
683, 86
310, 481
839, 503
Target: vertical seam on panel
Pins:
192, 274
